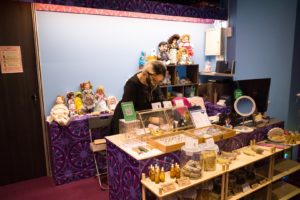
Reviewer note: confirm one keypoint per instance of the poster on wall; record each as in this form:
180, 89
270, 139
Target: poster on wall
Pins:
10, 59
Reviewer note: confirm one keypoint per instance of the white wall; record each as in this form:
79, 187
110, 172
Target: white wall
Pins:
102, 49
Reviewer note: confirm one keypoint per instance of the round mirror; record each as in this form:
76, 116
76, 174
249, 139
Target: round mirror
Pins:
244, 106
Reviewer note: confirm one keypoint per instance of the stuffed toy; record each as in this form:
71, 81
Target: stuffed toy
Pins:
59, 112
112, 103
185, 43
88, 97
78, 103
173, 48
163, 52
71, 103
100, 101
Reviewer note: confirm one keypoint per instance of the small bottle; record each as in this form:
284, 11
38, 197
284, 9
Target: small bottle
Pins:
172, 171
177, 171
152, 174
157, 175
162, 175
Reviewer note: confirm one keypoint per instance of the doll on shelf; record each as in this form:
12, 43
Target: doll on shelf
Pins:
59, 112
78, 103
112, 103
183, 57
167, 79
142, 59
185, 43
88, 97
100, 101
71, 103
173, 48
163, 52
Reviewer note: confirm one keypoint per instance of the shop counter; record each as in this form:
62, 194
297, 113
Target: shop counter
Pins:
71, 157
125, 167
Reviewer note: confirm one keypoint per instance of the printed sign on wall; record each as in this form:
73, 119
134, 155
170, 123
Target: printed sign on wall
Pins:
11, 59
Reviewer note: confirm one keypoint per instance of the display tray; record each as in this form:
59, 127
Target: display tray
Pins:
215, 131
169, 142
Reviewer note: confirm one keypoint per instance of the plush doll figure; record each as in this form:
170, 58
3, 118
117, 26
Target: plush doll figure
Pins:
173, 48
78, 103
185, 43
163, 52
71, 103
112, 103
183, 57
142, 60
59, 112
88, 97
100, 103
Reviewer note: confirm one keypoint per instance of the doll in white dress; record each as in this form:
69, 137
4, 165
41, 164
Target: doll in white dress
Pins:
101, 101
59, 112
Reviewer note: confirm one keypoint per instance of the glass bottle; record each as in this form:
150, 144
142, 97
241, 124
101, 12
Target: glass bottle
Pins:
177, 171
172, 171
162, 175
157, 175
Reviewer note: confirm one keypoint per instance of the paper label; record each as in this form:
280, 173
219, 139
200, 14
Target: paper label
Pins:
210, 141
167, 104
168, 187
156, 105
179, 103
246, 187
183, 181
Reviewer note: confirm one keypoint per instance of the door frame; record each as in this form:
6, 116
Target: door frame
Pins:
40, 91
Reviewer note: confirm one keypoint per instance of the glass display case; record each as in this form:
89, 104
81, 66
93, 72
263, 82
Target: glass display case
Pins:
215, 131
164, 121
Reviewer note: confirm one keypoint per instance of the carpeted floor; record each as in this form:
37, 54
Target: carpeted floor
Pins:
44, 189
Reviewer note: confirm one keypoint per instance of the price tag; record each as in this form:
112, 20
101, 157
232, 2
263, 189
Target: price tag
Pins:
184, 181
156, 105
168, 187
246, 187
210, 141
179, 103
167, 104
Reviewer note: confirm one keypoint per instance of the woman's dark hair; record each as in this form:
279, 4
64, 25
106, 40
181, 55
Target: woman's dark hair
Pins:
158, 68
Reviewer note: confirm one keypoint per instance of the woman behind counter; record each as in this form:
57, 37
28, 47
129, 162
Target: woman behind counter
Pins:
142, 89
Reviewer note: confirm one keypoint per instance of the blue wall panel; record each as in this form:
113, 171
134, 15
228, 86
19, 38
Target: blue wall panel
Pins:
264, 32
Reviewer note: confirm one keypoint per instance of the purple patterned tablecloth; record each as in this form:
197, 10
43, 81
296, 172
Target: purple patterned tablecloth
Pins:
124, 171
71, 157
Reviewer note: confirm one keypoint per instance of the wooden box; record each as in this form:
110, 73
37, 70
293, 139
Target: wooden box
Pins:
215, 131
169, 142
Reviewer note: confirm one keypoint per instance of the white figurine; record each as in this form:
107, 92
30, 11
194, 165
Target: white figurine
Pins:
59, 113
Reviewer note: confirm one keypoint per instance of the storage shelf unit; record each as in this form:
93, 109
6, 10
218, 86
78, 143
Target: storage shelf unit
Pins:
281, 169
284, 191
190, 71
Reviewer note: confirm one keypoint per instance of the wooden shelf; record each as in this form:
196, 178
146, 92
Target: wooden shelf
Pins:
284, 191
242, 194
285, 167
179, 85
216, 74
154, 188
